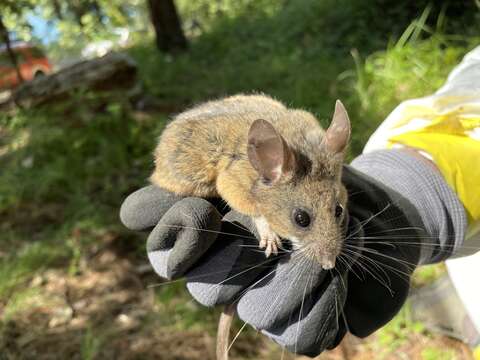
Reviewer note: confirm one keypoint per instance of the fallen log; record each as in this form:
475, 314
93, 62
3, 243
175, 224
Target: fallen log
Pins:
112, 72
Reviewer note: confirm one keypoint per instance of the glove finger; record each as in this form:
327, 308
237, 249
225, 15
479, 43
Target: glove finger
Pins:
271, 301
242, 221
342, 331
144, 208
315, 326
182, 236
232, 264
376, 297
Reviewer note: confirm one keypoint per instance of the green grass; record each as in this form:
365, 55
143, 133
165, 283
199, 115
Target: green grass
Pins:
65, 169
64, 175
181, 312
19, 266
428, 274
396, 333
21, 301
92, 342
268, 50
431, 353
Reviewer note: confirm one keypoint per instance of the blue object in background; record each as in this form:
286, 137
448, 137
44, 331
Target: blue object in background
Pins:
44, 30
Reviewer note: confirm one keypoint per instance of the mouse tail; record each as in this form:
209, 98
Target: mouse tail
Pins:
223, 331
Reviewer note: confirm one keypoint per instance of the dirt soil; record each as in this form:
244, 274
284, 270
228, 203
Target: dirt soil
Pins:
106, 310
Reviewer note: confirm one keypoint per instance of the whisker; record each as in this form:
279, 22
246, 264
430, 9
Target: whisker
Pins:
297, 277
346, 263
354, 262
252, 267
407, 276
344, 319
300, 313
375, 276
237, 225
254, 284
374, 268
196, 277
389, 221
236, 336
372, 251
206, 230
375, 264
365, 222
341, 278
420, 244
398, 229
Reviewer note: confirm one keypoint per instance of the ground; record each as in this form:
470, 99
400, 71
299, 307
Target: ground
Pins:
114, 307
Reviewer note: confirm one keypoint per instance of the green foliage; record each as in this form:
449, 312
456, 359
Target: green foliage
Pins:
65, 172
20, 301
344, 24
77, 22
72, 153
396, 333
177, 309
408, 69
428, 274
298, 63
92, 343
19, 266
431, 353
77, 29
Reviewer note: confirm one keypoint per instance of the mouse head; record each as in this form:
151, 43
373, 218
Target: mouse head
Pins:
301, 195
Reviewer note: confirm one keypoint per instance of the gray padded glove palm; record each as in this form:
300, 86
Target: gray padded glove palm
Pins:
287, 297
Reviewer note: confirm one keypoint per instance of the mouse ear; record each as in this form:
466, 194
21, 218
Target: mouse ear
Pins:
338, 133
268, 152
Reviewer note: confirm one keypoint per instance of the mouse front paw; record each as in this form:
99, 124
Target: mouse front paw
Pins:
269, 240
271, 244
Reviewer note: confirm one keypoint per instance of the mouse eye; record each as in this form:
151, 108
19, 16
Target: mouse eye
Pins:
301, 218
338, 210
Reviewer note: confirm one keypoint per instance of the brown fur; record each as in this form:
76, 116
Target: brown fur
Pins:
203, 152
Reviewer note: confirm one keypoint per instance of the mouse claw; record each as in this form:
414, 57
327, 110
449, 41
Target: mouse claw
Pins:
269, 241
263, 243
269, 250
271, 245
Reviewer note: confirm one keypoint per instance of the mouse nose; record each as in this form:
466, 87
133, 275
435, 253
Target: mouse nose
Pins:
327, 262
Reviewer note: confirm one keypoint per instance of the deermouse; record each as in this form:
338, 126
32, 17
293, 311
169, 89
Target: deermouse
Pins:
266, 161
274, 164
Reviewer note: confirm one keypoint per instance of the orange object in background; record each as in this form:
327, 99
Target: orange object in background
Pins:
31, 61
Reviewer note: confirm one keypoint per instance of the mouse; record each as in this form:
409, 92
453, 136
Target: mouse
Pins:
274, 164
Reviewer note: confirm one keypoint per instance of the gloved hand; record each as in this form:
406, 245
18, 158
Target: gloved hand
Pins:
288, 297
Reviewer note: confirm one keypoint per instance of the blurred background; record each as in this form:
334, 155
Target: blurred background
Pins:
86, 87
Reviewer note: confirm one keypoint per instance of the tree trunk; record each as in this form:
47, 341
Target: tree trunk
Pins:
168, 30
58, 9
11, 53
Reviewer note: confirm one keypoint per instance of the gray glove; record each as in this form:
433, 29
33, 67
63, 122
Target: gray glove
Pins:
287, 297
